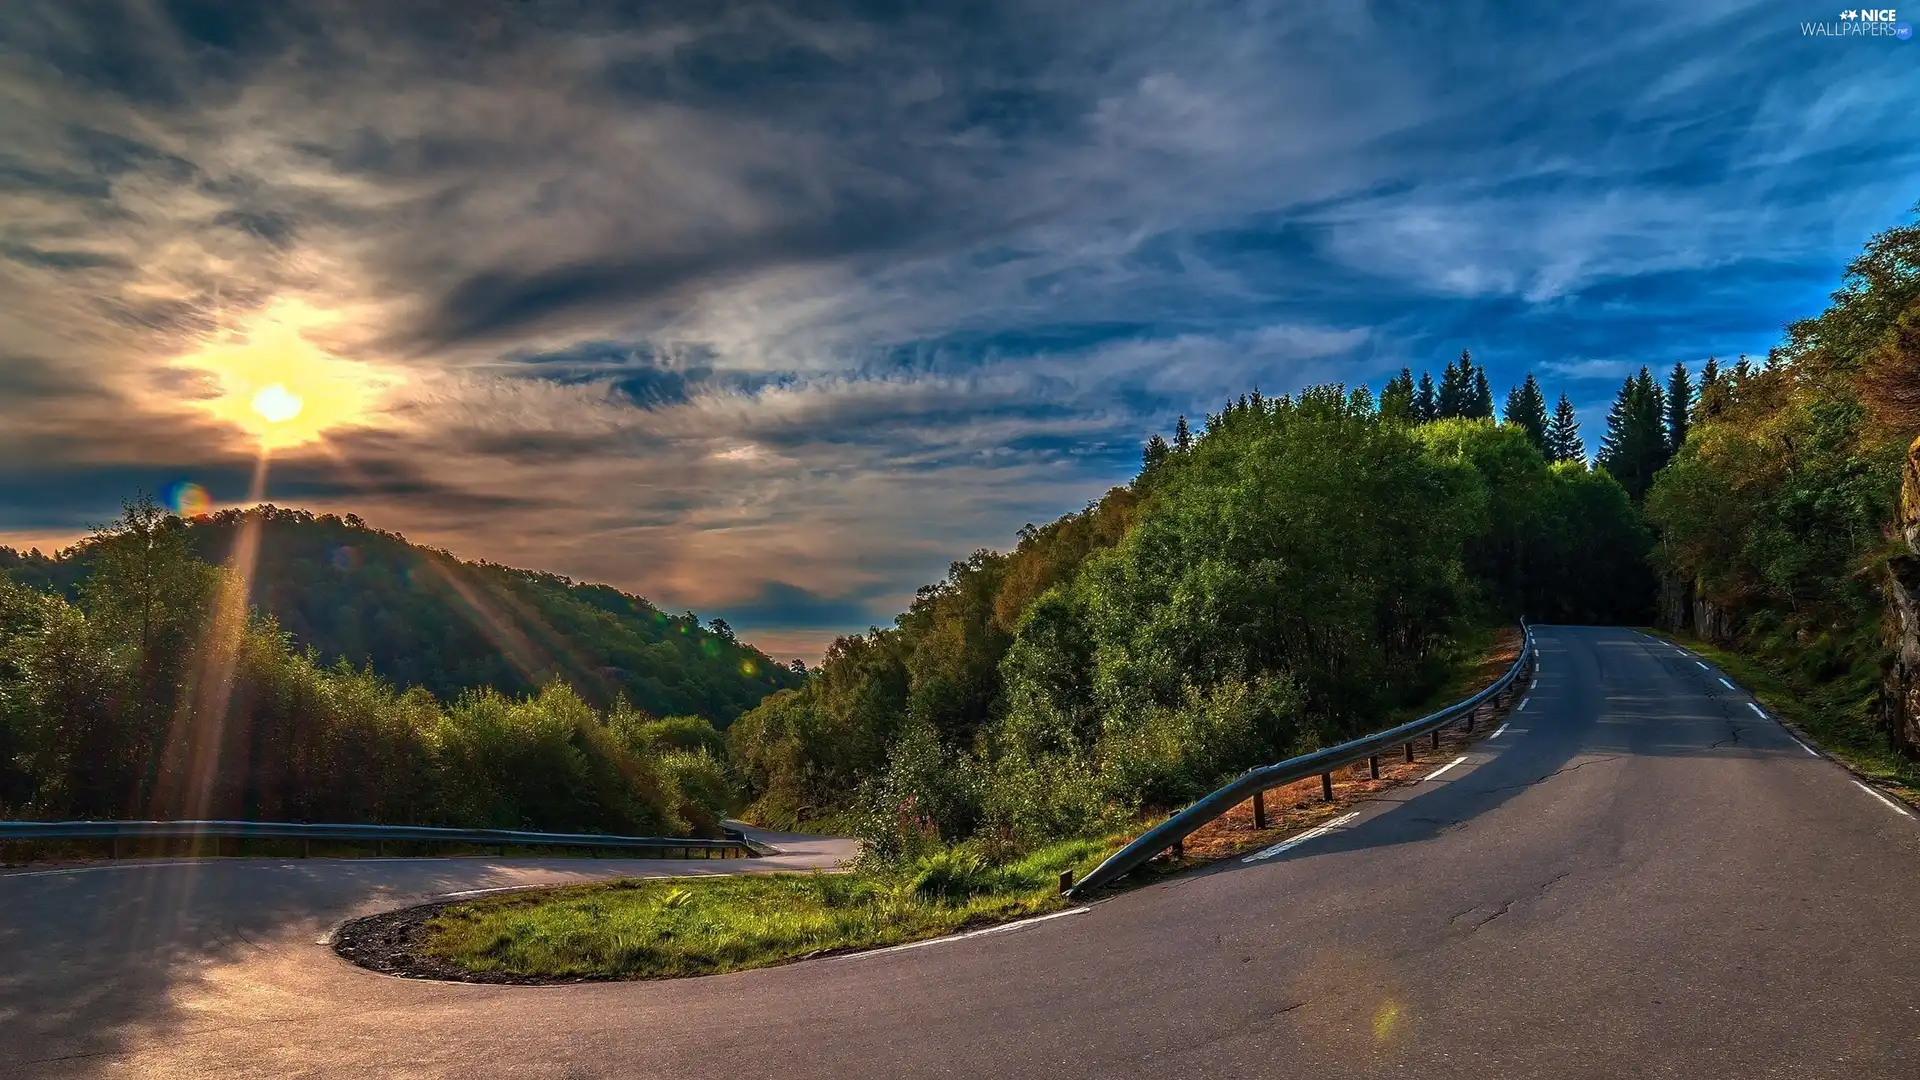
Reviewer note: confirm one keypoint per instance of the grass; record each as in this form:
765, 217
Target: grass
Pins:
1829, 717
665, 927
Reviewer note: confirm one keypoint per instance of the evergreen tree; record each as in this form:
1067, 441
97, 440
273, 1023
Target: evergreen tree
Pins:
1636, 442
1480, 407
1154, 453
1397, 401
1563, 434
1427, 404
1712, 393
1456, 388
1182, 435
1527, 409
1742, 371
1679, 407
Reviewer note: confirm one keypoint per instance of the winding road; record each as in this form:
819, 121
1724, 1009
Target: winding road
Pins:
1640, 876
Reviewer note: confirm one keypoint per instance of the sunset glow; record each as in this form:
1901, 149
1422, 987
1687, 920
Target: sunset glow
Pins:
280, 387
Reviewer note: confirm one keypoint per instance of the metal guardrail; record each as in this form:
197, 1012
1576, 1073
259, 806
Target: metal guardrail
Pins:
1257, 781
378, 835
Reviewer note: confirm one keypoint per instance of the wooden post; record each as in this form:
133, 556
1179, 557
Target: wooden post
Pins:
1373, 767
1409, 749
1436, 738
1326, 786
1259, 809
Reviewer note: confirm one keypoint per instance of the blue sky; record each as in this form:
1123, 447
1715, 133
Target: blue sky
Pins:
771, 311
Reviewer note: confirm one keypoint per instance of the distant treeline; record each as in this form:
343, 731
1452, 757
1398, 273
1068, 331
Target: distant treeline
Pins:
158, 690
1272, 583
420, 617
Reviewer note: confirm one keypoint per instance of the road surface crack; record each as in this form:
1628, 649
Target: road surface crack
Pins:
1557, 772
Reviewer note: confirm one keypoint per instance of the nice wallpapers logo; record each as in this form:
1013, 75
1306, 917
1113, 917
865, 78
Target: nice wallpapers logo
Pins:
1861, 22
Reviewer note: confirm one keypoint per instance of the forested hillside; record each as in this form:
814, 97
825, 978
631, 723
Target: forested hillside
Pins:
1779, 517
1274, 582
161, 692
420, 617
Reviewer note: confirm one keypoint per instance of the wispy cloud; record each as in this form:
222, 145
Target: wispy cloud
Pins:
771, 312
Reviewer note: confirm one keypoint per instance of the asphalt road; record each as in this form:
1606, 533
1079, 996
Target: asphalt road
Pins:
1640, 877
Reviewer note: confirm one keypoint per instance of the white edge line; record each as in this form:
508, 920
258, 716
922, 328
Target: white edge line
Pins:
1761, 713
1522, 707
1003, 927
1285, 845
1701, 666
1728, 685
1443, 768
1811, 752
1891, 805
1499, 731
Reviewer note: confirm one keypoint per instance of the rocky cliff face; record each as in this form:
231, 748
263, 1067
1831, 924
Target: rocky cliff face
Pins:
1901, 691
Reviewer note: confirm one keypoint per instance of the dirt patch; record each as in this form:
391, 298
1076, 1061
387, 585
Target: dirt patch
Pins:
391, 943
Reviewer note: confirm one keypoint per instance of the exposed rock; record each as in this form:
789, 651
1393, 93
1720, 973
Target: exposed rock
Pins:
1900, 693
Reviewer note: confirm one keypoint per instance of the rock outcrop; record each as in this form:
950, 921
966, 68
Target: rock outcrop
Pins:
1900, 699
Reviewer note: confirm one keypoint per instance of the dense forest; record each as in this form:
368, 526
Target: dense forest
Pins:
1779, 515
1273, 582
160, 691
420, 617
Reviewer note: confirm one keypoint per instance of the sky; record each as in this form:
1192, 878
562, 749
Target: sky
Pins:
771, 311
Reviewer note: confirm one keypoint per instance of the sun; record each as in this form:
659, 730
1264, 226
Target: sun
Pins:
277, 405
271, 380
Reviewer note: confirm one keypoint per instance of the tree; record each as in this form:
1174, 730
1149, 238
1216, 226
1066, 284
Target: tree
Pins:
1527, 409
1636, 442
1427, 402
1712, 399
1480, 405
1182, 435
1456, 388
1154, 454
1398, 401
1563, 434
1679, 407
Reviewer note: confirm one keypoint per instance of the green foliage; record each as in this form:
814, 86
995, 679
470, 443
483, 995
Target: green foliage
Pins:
1527, 410
1636, 444
420, 617
1302, 568
160, 694
1776, 512
1563, 434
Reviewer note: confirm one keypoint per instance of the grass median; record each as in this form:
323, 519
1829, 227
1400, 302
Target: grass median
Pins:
649, 928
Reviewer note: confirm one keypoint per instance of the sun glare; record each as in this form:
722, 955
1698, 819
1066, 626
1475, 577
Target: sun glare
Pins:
272, 381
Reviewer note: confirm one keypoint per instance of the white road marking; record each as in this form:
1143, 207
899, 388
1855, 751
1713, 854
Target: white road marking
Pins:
1522, 707
1811, 752
1758, 711
1003, 927
1701, 666
1443, 768
1891, 805
1497, 732
1285, 845
497, 888
1727, 684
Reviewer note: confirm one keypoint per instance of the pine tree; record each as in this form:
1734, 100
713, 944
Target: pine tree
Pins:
1154, 453
1480, 406
1679, 407
1742, 371
1456, 387
1563, 434
1636, 442
1182, 435
1427, 405
1712, 391
1396, 399
1527, 409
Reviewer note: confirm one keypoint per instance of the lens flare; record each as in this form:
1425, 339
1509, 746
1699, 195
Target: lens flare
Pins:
189, 500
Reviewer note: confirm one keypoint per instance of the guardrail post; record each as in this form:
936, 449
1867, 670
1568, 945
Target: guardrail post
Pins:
1260, 810
1471, 713
306, 847
1436, 738
113, 848
1326, 786
1179, 850
1409, 749
1373, 767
